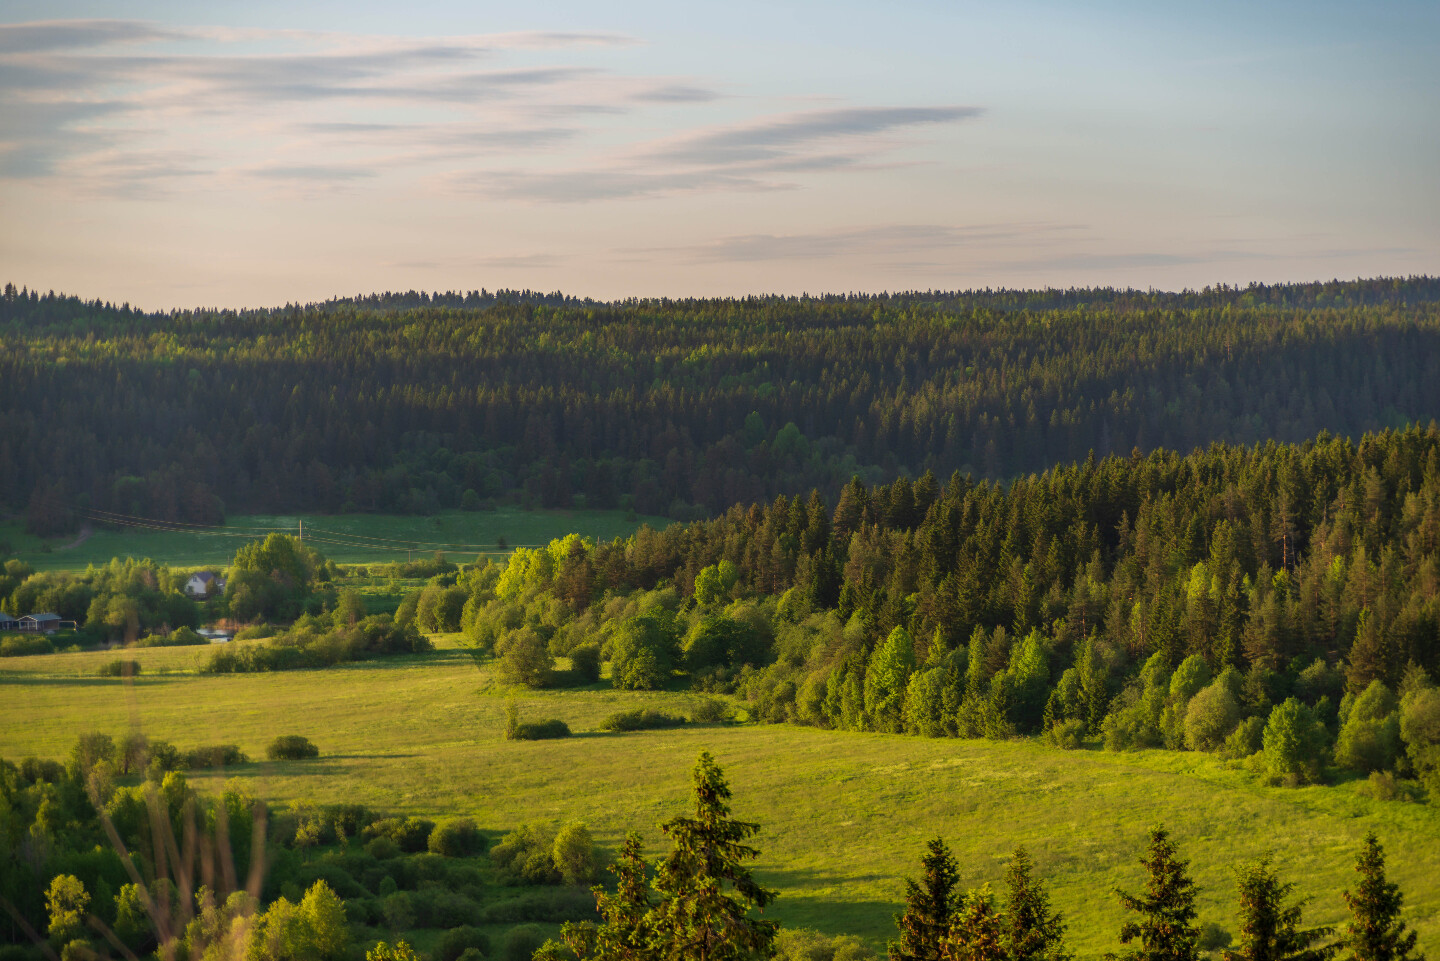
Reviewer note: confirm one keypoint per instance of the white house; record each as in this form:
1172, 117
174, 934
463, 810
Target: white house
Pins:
204, 584
40, 622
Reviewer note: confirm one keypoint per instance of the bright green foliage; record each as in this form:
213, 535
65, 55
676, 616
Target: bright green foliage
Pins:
523, 658
977, 932
574, 853
643, 651
1293, 740
1269, 928
1211, 715
930, 907
719, 641
1165, 928
1375, 931
705, 891
1190, 678
1370, 738
271, 578
1420, 730
385, 951
715, 581
67, 904
1033, 930
886, 678
313, 930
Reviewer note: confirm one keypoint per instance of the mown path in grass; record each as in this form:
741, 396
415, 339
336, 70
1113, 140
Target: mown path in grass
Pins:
845, 816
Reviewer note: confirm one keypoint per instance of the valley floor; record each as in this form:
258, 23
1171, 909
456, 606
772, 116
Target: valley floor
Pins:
845, 816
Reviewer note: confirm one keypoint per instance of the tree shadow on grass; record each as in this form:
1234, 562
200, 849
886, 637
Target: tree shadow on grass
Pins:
830, 914
33, 680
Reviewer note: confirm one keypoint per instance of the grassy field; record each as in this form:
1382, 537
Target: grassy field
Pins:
845, 815
460, 533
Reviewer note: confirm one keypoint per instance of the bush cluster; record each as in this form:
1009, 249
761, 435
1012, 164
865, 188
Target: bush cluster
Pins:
119, 668
291, 747
640, 719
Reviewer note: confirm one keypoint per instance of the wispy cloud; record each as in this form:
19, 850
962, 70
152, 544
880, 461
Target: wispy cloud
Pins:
272, 107
883, 242
762, 154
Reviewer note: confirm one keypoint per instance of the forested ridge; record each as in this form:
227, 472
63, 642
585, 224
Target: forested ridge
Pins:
416, 402
1193, 602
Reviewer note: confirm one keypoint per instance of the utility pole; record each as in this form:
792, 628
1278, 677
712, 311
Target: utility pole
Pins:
302, 530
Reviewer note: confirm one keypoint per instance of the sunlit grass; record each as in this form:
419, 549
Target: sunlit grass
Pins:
845, 815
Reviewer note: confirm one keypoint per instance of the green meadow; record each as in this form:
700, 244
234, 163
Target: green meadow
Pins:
344, 538
845, 816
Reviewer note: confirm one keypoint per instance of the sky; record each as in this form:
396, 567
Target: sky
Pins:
182, 154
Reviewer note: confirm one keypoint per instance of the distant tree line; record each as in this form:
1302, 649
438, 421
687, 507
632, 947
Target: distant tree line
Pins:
418, 402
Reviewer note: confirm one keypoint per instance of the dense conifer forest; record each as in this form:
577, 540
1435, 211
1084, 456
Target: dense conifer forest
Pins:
416, 402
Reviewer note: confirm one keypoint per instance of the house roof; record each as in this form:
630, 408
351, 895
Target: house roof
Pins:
204, 576
41, 617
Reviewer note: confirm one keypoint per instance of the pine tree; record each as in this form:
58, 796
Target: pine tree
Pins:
696, 919
1270, 931
930, 908
1166, 928
978, 932
623, 933
1033, 931
1376, 933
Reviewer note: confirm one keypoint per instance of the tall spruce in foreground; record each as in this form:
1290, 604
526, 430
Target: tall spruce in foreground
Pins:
696, 918
1269, 930
1033, 930
1375, 932
930, 907
1166, 926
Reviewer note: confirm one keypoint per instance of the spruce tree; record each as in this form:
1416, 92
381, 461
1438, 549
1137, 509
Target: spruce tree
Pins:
705, 890
1269, 930
977, 933
1166, 926
623, 932
930, 907
1375, 932
1033, 931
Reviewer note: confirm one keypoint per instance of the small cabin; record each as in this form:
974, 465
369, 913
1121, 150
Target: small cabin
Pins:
204, 584
8, 623
40, 623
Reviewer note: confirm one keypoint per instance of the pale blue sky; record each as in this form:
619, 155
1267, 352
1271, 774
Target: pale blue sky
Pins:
175, 154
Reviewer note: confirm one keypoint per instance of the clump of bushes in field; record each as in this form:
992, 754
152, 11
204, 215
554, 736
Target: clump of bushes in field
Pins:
180, 637
457, 838
318, 642
24, 645
119, 668
215, 755
517, 730
291, 747
640, 719
538, 854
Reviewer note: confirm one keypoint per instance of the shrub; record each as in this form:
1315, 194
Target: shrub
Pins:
574, 854
1293, 741
291, 747
1247, 739
709, 710
640, 719
1068, 735
521, 943
22, 645
539, 731
526, 855
456, 941
458, 838
802, 944
1383, 786
412, 834
215, 755
119, 668
523, 658
585, 663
